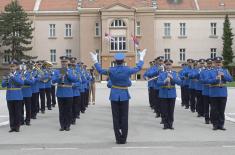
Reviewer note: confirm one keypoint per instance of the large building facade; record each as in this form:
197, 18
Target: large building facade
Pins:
176, 29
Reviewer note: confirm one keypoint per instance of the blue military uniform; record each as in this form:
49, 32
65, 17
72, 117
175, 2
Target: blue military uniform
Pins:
183, 74
53, 88
27, 96
167, 95
47, 82
76, 106
82, 89
154, 72
120, 78
217, 77
150, 86
35, 94
192, 87
182, 87
14, 97
198, 88
64, 77
205, 91
41, 86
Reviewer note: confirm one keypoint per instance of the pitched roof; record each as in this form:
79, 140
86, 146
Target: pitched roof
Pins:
216, 4
105, 3
176, 5
58, 5
28, 5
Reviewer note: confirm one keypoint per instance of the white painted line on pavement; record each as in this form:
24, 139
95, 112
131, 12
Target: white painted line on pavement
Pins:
144, 147
227, 118
4, 123
31, 149
228, 146
230, 113
178, 98
3, 116
69, 148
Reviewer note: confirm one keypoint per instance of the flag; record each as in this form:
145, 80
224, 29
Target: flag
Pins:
109, 37
135, 41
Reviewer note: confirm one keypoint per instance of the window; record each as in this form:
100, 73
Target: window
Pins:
182, 29
68, 30
167, 53
68, 52
97, 29
213, 29
118, 23
53, 55
6, 57
98, 54
182, 54
167, 29
138, 55
213, 53
118, 44
52, 30
138, 32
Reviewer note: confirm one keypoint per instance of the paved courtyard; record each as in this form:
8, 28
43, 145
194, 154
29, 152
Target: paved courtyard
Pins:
93, 133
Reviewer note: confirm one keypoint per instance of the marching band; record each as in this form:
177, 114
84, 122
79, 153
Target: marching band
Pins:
202, 83
31, 84
203, 89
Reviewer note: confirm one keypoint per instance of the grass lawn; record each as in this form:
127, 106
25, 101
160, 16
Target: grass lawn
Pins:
231, 84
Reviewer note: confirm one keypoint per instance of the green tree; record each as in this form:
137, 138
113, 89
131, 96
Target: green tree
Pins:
16, 31
227, 42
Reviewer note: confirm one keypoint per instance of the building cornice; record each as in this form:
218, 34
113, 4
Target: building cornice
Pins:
194, 12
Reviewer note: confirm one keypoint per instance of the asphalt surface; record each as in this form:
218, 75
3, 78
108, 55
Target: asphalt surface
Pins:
93, 133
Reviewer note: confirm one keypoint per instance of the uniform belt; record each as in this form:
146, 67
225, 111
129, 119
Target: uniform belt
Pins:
13, 88
169, 87
65, 86
119, 87
217, 85
26, 86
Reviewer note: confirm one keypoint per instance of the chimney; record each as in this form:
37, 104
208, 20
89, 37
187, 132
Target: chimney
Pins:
79, 4
154, 4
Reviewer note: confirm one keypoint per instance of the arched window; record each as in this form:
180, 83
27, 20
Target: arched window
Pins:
118, 23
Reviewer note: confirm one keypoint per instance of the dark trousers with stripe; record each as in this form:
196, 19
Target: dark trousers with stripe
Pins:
83, 106
167, 108
26, 104
48, 96
199, 103
42, 99
14, 108
218, 105
120, 110
157, 105
76, 107
192, 99
65, 111
186, 97
34, 104
151, 96
53, 96
206, 103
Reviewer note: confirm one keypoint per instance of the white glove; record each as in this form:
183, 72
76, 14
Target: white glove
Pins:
94, 57
142, 54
